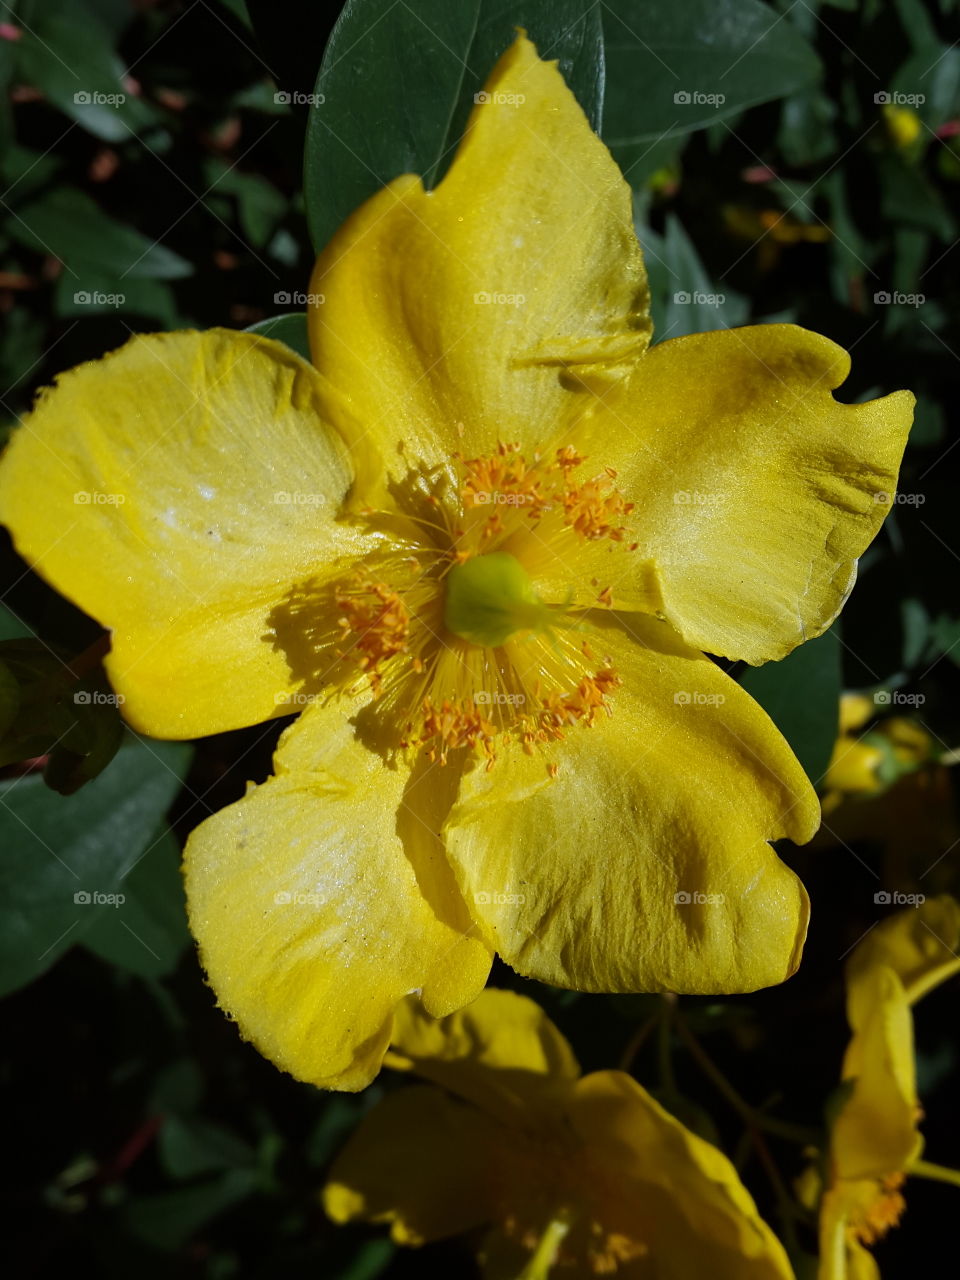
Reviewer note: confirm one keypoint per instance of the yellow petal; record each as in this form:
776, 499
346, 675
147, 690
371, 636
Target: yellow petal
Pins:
756, 491
644, 865
668, 1189
920, 945
322, 899
875, 1133
469, 314
499, 1052
853, 768
855, 710
420, 1161
187, 484
842, 1257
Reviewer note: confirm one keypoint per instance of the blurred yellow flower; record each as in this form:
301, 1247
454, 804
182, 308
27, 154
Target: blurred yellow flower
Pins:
589, 1173
875, 1140
488, 529
888, 784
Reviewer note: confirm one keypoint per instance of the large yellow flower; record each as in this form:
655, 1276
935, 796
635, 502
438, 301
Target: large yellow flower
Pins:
483, 543
875, 1139
588, 1171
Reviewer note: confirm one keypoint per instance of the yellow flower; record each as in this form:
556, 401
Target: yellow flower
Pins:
886, 784
588, 1171
875, 1140
483, 543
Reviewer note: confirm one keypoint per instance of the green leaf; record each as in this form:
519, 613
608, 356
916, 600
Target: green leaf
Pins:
75, 724
683, 297
68, 224
74, 65
65, 857
90, 293
801, 695
290, 328
169, 1219
189, 1148
151, 933
673, 68
379, 113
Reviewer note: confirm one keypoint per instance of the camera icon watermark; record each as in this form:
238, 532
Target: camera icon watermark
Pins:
88, 498
695, 698
97, 698
85, 298
683, 898
894, 698
298, 898
897, 99
499, 99
699, 299
494, 698
484, 299
297, 99
93, 98
94, 898
284, 299
895, 899
885, 298
884, 498
694, 98
486, 898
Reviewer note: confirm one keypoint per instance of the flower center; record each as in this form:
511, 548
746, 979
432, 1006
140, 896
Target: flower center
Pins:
444, 623
489, 598
883, 1212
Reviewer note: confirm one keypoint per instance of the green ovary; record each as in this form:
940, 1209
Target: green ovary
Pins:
490, 598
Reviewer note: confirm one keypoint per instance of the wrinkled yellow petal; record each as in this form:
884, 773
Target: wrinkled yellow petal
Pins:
456, 318
187, 484
609, 877
421, 1161
756, 491
920, 944
875, 1133
673, 1192
500, 1050
322, 899
842, 1257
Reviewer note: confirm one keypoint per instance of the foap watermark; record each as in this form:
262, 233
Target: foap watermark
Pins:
494, 698
94, 898
886, 298
695, 698
896, 899
88, 498
694, 98
296, 299
894, 698
885, 499
483, 98
486, 898
298, 99
699, 299
493, 497
298, 898
893, 98
298, 498
296, 700
97, 698
698, 899
484, 299
694, 498
94, 98
94, 298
